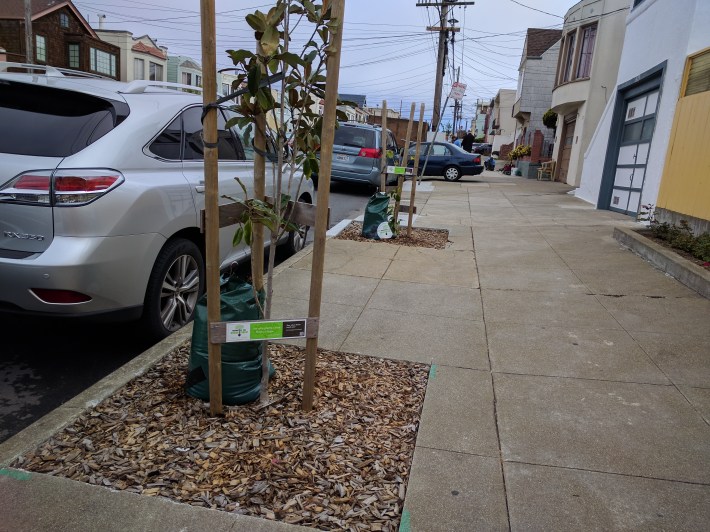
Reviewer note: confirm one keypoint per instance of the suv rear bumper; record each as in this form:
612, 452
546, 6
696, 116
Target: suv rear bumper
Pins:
113, 271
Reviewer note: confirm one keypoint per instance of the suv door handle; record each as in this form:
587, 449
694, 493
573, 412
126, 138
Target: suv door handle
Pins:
200, 188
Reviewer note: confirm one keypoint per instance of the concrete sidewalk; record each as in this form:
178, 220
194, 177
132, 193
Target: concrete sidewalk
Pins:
570, 387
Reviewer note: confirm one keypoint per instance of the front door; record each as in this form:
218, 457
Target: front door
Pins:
567, 143
636, 134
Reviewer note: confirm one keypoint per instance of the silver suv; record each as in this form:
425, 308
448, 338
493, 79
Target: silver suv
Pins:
101, 188
357, 151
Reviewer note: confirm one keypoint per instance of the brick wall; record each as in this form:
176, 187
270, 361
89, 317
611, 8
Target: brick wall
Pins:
539, 148
505, 149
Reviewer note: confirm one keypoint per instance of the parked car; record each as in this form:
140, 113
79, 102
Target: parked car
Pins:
101, 188
357, 149
482, 148
446, 159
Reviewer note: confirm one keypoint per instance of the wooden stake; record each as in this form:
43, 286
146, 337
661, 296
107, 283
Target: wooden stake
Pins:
415, 170
209, 133
383, 143
404, 161
326, 161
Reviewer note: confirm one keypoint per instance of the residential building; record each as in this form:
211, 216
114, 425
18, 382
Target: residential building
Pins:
588, 63
480, 126
377, 111
651, 145
185, 70
227, 83
360, 100
502, 126
536, 78
141, 57
61, 37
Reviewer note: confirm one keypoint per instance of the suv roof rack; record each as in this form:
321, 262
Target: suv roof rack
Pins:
139, 86
50, 71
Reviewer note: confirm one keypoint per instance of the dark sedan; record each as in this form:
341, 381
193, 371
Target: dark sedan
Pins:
448, 160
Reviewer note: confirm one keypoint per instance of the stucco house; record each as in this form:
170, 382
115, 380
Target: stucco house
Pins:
185, 70
141, 57
587, 67
61, 38
502, 127
536, 77
651, 145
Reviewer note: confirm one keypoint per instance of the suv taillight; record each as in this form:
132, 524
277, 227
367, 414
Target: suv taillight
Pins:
62, 188
372, 153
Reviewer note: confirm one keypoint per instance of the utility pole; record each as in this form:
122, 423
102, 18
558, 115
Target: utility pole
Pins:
29, 49
443, 30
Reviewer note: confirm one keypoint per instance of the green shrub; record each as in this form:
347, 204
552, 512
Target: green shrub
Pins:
701, 247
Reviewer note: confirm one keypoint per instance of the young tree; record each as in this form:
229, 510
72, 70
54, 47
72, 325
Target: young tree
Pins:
294, 144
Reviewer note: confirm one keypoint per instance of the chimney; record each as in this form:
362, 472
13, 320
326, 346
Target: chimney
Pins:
101, 21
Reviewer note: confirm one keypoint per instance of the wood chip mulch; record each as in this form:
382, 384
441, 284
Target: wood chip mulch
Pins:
345, 465
421, 237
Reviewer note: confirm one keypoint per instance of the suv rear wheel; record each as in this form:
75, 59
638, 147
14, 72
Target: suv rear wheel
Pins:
175, 285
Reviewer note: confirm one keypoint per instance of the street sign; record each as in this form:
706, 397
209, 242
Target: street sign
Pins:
457, 91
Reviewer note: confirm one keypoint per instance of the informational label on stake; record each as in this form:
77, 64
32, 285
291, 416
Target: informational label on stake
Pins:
251, 331
399, 170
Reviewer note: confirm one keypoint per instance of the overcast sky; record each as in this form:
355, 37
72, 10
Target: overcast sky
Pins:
387, 52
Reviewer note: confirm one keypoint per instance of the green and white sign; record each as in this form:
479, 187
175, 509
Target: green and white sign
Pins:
250, 331
399, 170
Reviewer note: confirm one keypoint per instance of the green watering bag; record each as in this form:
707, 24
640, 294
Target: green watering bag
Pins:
241, 361
376, 217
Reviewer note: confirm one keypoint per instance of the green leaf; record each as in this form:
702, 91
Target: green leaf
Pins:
254, 79
307, 168
263, 99
238, 235
290, 59
238, 56
256, 21
270, 40
248, 236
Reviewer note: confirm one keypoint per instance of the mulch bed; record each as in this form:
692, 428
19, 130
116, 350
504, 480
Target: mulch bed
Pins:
345, 465
421, 237
687, 256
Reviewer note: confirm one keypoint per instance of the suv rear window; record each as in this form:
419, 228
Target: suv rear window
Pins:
43, 121
355, 137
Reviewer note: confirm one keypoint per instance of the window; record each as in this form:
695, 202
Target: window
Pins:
569, 57
138, 68
589, 36
63, 20
40, 48
225, 89
102, 62
167, 145
227, 147
43, 121
73, 53
156, 72
186, 78
698, 74
198, 81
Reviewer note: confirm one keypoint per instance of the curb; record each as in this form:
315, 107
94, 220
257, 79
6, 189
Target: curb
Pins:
691, 275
